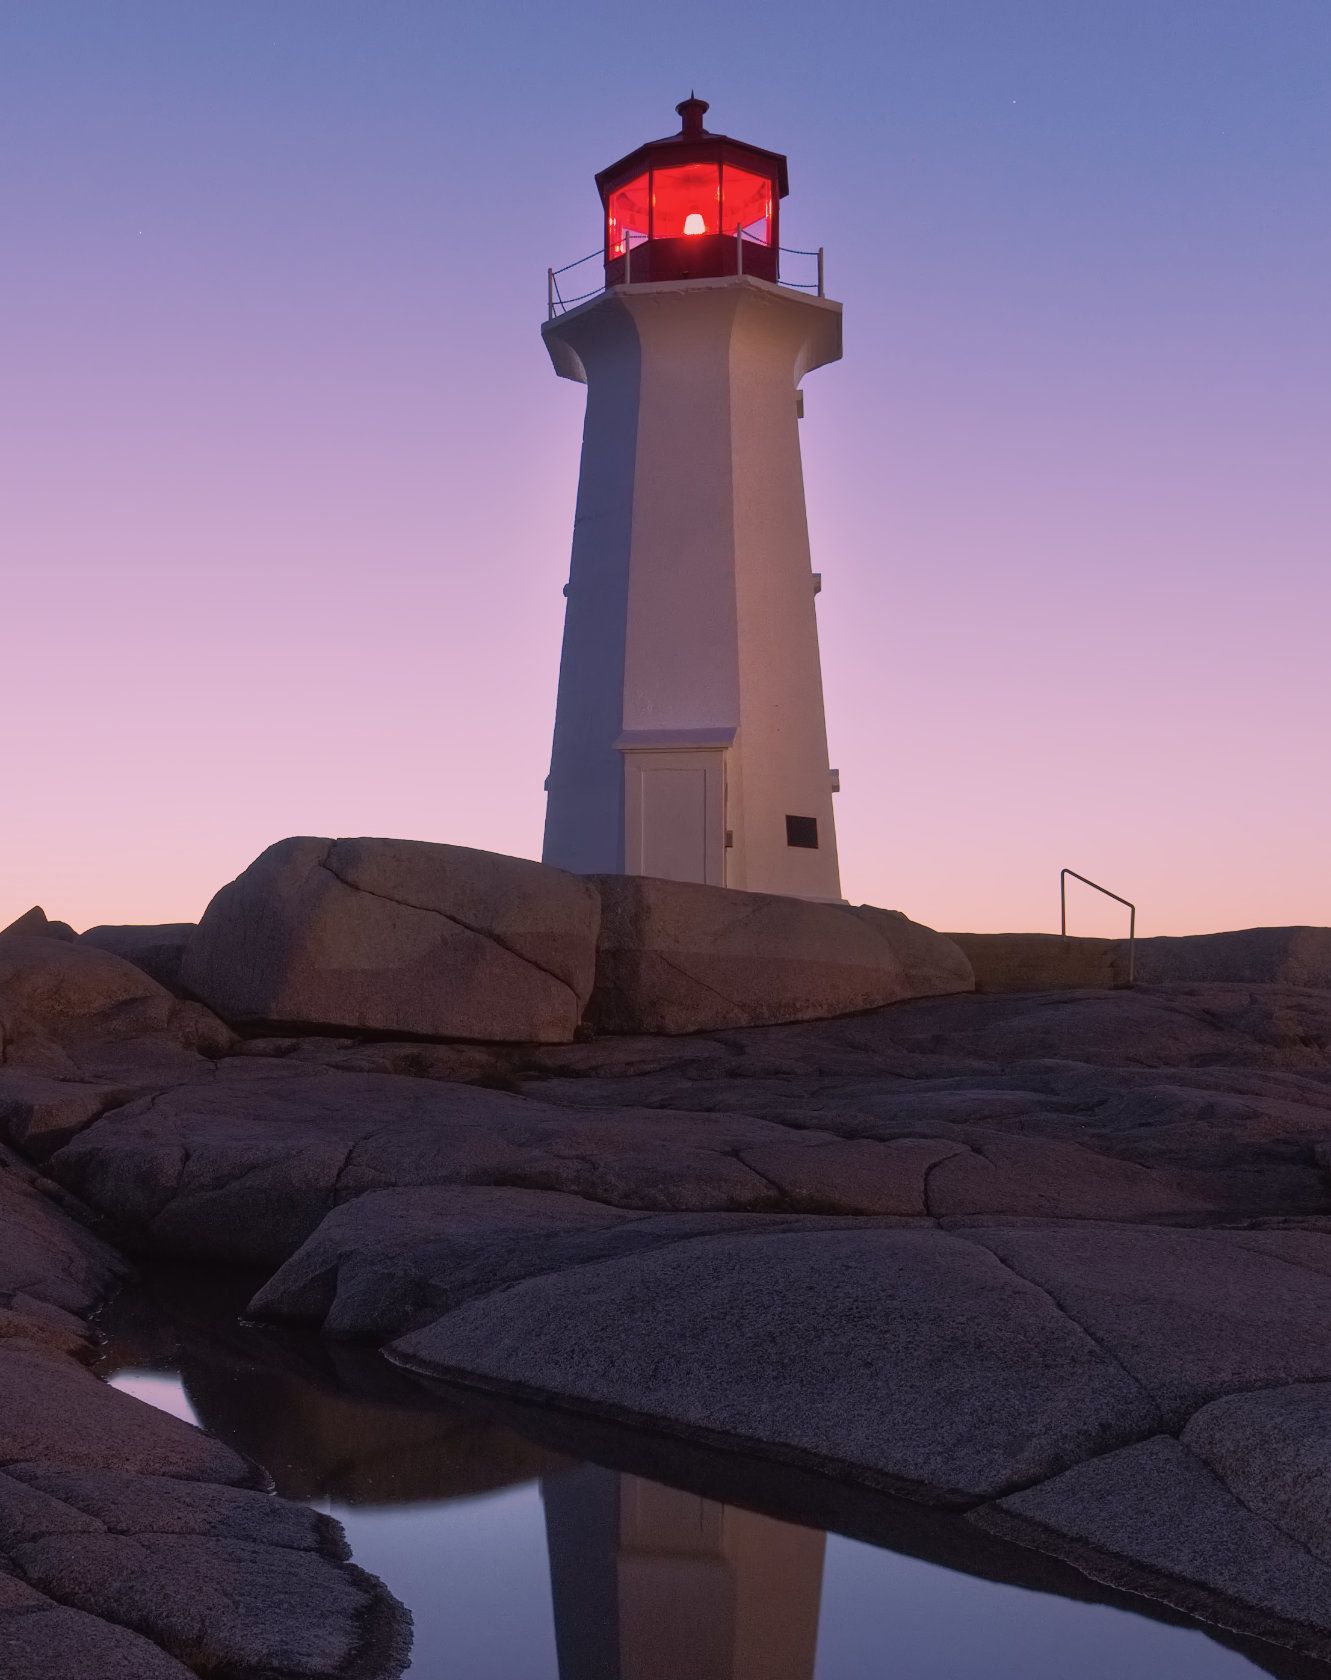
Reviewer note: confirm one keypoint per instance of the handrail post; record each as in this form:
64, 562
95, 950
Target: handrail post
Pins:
739, 249
628, 257
550, 294
822, 291
1127, 902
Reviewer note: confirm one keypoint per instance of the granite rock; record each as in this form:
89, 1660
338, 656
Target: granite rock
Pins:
674, 957
36, 924
398, 936
157, 948
909, 1359
1290, 956
1272, 1448
1189, 1314
395, 1258
73, 1012
1154, 1519
43, 1640
132, 1545
231, 1580
1042, 962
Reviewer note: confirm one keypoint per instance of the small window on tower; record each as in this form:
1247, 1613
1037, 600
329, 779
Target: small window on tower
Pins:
802, 831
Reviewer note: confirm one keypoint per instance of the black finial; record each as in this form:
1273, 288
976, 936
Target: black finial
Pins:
691, 114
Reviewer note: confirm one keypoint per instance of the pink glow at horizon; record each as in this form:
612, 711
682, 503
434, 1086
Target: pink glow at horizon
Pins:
286, 481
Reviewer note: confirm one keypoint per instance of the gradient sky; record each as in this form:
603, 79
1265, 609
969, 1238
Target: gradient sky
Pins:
286, 480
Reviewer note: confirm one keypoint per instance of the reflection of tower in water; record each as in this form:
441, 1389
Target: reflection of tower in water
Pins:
653, 1584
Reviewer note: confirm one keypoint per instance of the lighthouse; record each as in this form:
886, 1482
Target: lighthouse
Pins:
690, 741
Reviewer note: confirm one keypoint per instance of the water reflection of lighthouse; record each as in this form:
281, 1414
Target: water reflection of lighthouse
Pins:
650, 1583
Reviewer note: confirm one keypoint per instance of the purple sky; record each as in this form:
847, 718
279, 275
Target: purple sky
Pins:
286, 481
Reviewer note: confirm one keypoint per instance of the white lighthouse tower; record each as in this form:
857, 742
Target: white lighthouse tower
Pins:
690, 741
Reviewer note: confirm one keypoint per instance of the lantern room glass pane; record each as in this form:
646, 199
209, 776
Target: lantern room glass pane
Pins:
686, 201
627, 217
747, 204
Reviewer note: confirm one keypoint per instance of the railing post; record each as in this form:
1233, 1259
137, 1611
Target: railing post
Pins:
550, 294
822, 290
628, 258
739, 250
1126, 902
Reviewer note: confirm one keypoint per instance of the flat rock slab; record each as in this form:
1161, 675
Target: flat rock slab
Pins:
1184, 1025
43, 1640
393, 1258
1191, 1315
1042, 962
134, 1545
1272, 1449
1154, 1519
376, 1263
53, 1412
909, 1359
675, 957
242, 1167
202, 1571
1290, 956
398, 936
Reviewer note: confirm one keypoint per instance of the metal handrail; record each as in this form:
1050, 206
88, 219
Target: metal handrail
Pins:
1132, 912
557, 304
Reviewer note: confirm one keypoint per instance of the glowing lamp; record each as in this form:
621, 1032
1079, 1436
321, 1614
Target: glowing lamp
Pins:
680, 208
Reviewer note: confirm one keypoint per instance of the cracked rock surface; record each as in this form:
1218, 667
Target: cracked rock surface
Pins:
675, 957
398, 936
1059, 1263
133, 1546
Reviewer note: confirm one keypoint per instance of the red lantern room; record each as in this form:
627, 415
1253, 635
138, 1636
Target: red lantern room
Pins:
692, 206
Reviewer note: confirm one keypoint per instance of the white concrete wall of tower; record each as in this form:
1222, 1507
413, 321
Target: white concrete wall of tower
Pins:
690, 658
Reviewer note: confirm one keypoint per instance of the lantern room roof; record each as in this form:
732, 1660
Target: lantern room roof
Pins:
693, 144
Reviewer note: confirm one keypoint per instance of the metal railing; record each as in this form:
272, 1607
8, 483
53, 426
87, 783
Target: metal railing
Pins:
557, 304
1132, 913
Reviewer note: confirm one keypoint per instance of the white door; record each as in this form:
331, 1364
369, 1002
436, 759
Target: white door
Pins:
676, 816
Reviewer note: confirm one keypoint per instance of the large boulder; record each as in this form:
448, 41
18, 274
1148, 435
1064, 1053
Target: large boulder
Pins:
1290, 956
398, 936
158, 948
70, 1011
675, 957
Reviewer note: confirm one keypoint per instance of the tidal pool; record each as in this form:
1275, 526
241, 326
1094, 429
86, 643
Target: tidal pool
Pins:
530, 1547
